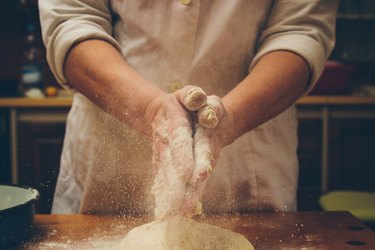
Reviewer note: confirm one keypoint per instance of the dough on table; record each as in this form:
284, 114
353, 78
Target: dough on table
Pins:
181, 233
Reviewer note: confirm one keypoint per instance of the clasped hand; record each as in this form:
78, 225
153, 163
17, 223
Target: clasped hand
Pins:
189, 129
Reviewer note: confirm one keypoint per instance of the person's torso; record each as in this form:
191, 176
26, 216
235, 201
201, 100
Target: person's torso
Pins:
204, 43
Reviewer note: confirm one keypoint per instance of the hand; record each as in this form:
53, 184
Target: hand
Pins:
213, 131
171, 126
173, 157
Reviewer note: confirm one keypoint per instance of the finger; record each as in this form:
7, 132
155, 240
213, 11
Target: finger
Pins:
210, 114
204, 156
192, 204
168, 188
192, 97
204, 163
181, 146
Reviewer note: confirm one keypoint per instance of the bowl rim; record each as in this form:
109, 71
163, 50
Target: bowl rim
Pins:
30, 201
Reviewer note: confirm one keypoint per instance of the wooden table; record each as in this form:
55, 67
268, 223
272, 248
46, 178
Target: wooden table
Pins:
290, 230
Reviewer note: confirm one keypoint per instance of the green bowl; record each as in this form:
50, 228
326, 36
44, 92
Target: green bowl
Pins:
17, 210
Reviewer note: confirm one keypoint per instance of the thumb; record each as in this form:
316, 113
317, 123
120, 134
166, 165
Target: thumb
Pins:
191, 97
210, 114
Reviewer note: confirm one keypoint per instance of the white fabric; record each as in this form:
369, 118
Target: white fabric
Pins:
106, 166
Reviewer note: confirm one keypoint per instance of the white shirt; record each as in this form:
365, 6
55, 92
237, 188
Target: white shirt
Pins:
106, 165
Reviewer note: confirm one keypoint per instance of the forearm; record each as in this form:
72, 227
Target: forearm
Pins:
98, 71
274, 84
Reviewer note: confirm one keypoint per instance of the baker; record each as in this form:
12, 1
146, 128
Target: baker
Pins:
131, 63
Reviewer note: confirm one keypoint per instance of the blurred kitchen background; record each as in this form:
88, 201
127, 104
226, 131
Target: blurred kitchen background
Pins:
337, 120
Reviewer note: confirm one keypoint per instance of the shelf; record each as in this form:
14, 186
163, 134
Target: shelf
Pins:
337, 100
21, 102
305, 101
369, 17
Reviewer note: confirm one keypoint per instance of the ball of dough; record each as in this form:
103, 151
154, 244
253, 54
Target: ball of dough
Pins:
180, 233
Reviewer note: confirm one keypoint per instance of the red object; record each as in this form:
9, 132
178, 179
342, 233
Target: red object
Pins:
335, 79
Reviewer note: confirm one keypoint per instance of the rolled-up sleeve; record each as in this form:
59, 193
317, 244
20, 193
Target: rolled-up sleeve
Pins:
67, 22
306, 28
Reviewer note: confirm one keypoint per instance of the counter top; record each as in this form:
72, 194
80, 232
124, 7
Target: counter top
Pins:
22, 102
308, 100
290, 230
336, 100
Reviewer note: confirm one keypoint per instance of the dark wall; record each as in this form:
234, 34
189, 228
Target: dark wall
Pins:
12, 27
355, 39
14, 17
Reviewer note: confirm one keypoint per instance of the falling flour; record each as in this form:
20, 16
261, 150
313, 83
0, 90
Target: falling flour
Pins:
173, 230
176, 201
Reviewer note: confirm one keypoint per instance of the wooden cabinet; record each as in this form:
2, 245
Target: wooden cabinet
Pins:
39, 150
37, 135
309, 156
352, 154
336, 146
5, 169
336, 150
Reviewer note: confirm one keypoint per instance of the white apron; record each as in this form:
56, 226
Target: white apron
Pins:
106, 166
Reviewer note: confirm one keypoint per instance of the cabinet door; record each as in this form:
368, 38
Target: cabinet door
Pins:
352, 154
39, 150
309, 156
5, 169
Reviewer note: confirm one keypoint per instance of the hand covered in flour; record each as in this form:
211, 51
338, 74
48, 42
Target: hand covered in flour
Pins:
172, 126
172, 136
213, 131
